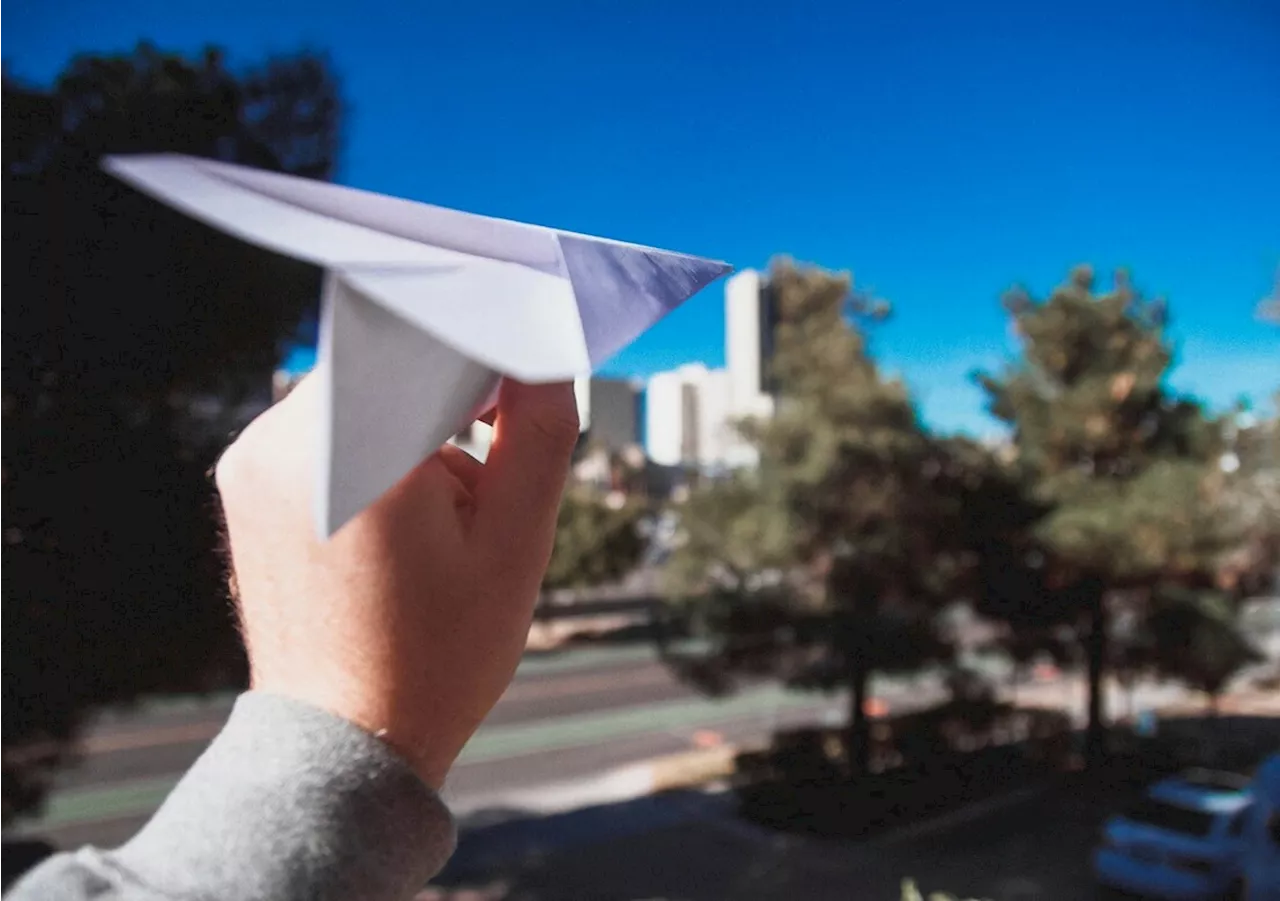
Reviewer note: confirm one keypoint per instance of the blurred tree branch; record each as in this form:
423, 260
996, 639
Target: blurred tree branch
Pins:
132, 336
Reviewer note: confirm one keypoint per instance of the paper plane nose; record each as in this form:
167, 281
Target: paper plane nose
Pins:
623, 289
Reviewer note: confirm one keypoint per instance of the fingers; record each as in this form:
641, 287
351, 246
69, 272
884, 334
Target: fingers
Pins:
429, 492
465, 468
278, 443
518, 497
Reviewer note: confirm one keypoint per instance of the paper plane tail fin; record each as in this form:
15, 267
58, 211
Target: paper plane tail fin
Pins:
392, 395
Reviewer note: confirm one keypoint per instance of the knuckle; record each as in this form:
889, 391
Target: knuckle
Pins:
556, 422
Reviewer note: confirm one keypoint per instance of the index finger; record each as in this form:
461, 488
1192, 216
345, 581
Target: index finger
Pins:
518, 496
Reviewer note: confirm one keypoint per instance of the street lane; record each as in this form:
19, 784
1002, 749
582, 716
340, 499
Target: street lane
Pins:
565, 718
162, 738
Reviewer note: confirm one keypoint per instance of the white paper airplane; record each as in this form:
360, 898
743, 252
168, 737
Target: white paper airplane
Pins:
425, 309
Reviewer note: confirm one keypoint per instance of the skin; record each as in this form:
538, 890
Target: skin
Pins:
409, 621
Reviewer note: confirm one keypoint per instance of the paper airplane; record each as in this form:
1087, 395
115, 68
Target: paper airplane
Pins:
425, 309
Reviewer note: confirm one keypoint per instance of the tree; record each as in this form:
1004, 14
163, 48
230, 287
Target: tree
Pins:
597, 541
1127, 469
1193, 637
827, 564
1251, 464
128, 326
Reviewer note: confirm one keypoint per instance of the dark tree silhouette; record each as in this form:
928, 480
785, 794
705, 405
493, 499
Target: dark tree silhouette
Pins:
1126, 467
134, 338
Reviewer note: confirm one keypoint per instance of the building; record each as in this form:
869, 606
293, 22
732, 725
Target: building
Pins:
664, 418
750, 317
687, 417
613, 406
691, 411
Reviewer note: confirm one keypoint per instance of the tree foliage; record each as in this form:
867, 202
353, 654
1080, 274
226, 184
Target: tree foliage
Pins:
1251, 502
827, 564
127, 326
597, 541
1192, 636
1126, 468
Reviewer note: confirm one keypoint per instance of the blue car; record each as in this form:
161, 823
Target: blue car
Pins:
1260, 859
1181, 841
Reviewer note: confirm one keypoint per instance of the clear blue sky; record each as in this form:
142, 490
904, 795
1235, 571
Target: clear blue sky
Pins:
939, 150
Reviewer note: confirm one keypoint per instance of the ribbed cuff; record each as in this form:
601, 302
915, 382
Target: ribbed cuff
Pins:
292, 802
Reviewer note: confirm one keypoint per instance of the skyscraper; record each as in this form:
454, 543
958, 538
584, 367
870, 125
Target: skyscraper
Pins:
750, 317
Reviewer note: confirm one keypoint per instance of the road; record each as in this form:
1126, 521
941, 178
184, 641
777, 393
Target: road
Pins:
566, 718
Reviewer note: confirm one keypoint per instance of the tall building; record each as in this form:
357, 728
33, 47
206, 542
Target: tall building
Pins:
750, 317
687, 417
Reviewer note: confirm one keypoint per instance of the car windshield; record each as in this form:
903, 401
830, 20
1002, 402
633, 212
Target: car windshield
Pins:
1171, 817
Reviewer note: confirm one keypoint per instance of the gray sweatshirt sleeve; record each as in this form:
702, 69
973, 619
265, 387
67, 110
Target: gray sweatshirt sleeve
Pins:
289, 802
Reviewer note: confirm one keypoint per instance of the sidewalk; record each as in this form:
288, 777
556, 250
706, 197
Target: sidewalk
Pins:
690, 846
1032, 844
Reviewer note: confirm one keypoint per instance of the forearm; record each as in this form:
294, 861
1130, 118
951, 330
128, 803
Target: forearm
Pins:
289, 802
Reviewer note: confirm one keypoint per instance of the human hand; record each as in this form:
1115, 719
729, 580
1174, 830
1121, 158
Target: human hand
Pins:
411, 619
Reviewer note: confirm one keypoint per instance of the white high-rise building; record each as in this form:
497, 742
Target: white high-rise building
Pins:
687, 417
749, 320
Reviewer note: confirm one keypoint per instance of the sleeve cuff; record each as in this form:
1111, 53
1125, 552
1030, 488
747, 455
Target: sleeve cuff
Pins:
293, 802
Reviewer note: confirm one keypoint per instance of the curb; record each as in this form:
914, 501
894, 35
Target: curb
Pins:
691, 768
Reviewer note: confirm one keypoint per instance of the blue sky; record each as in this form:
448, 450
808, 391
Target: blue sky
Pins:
939, 150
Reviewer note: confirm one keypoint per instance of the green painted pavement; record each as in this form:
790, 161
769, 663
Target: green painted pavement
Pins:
530, 665
583, 729
92, 805
583, 658
140, 797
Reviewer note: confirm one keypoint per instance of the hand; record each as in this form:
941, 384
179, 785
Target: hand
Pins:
409, 621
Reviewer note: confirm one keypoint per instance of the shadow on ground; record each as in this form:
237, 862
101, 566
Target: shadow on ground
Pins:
688, 846
1032, 844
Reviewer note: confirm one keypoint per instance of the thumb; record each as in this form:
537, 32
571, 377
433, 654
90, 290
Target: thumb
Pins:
535, 432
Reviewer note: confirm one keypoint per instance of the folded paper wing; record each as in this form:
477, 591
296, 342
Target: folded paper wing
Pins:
425, 309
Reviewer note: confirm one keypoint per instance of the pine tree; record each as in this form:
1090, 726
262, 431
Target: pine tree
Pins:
1127, 468
1251, 463
826, 564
